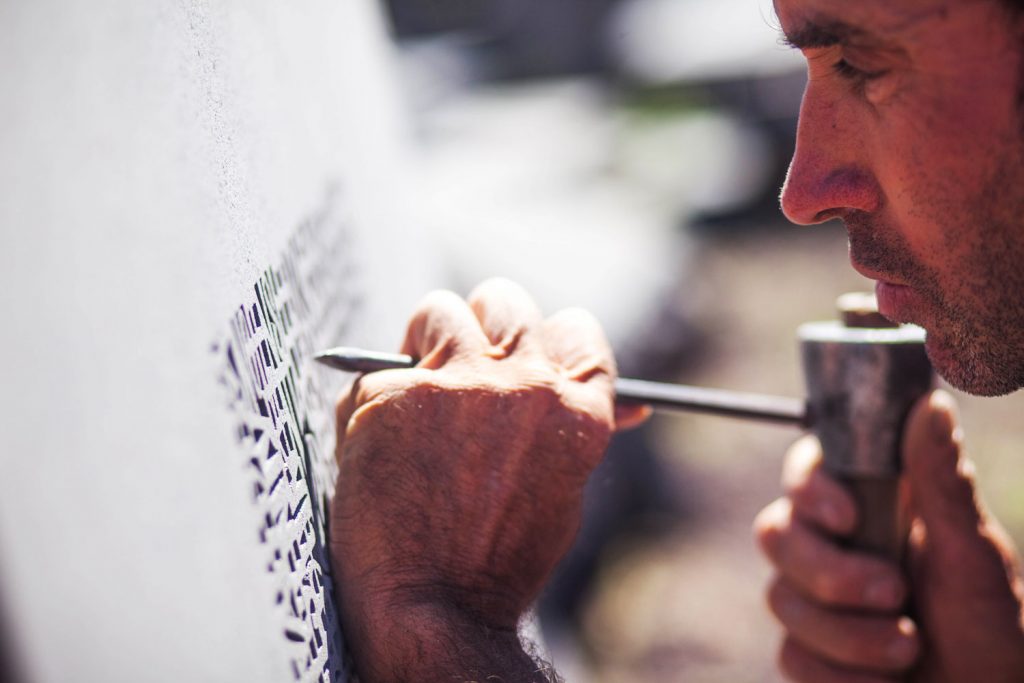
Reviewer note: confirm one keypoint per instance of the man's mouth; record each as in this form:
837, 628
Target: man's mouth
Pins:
895, 301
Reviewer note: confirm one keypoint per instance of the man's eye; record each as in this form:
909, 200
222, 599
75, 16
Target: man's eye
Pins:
851, 73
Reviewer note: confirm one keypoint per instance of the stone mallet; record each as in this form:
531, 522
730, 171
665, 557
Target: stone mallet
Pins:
862, 376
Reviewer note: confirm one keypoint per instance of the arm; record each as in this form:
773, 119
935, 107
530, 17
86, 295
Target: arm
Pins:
953, 615
461, 482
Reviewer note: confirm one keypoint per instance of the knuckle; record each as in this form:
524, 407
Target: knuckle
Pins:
512, 336
430, 326
526, 379
839, 585
438, 346
437, 300
829, 586
593, 365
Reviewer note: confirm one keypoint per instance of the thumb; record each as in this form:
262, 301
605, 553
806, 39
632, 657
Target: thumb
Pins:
960, 539
941, 483
961, 562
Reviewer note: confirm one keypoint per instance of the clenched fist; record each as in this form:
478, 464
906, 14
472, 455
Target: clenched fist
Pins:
461, 480
952, 615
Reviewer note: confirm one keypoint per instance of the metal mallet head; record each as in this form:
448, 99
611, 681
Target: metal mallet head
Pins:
861, 384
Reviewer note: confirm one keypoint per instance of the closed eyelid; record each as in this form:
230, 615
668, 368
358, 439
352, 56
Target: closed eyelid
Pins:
822, 60
865, 60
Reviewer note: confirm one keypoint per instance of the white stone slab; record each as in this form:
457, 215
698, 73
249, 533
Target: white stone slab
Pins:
159, 162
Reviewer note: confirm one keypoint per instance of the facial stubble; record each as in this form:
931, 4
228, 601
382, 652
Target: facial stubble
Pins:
973, 311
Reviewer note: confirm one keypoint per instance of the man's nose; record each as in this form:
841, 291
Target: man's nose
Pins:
830, 174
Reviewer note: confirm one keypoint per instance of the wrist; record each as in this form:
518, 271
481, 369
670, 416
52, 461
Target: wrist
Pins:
394, 641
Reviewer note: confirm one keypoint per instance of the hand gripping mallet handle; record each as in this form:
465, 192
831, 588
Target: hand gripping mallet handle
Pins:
862, 380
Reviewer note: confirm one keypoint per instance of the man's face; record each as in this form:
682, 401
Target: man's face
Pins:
911, 132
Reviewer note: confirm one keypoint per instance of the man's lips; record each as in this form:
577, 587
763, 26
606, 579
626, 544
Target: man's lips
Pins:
895, 301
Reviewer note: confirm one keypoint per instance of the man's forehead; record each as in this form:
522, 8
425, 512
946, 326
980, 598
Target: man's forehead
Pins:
818, 23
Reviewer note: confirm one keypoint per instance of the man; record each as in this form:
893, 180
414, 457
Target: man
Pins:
912, 132
447, 521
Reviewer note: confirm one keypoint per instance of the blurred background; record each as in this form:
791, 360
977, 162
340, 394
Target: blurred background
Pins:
626, 156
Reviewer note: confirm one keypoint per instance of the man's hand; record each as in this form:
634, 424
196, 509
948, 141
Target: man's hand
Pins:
461, 480
955, 616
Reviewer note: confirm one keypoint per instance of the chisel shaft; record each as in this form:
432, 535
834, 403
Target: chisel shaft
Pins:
658, 395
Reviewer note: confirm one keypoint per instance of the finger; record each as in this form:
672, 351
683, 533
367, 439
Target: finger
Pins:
941, 480
443, 327
970, 558
800, 665
630, 415
818, 499
573, 339
822, 570
881, 643
508, 316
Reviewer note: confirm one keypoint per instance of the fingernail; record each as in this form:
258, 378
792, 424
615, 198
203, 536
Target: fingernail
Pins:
883, 593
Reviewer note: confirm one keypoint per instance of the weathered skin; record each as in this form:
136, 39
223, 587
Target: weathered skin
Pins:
461, 483
845, 613
911, 132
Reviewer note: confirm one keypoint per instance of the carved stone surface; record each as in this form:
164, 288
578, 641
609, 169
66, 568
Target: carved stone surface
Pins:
283, 407
194, 196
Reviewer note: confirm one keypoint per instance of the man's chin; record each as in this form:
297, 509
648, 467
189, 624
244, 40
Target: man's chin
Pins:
964, 370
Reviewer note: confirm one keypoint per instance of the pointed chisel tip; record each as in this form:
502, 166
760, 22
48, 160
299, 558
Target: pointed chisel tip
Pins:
360, 360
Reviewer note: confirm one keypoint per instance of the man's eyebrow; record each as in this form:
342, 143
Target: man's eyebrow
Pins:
813, 34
